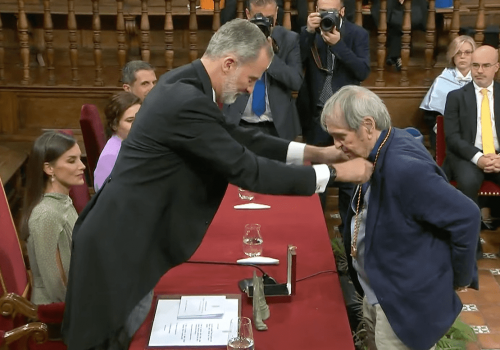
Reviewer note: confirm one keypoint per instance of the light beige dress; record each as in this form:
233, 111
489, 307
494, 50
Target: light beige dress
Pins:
51, 227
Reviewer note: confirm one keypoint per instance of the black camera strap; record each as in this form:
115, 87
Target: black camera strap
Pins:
317, 59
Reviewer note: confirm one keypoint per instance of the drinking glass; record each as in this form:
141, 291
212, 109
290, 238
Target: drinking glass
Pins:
246, 195
252, 240
240, 334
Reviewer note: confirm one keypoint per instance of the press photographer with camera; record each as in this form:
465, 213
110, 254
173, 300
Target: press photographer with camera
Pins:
271, 108
335, 53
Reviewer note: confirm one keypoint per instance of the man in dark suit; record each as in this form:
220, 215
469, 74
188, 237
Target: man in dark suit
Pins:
271, 108
468, 160
410, 236
331, 60
169, 180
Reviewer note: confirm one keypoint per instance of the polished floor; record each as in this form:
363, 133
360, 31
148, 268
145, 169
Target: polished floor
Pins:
481, 308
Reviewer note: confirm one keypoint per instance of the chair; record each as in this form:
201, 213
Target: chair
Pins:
488, 188
15, 287
35, 331
93, 136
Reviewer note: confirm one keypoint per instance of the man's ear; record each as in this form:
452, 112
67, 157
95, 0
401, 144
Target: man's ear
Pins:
369, 124
248, 13
126, 87
228, 63
342, 11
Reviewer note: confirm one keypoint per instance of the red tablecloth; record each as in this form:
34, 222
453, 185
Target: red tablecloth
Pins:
315, 318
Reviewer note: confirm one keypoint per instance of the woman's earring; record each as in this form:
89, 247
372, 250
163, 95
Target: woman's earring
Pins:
52, 178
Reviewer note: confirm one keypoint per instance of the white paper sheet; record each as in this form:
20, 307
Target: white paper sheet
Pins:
168, 330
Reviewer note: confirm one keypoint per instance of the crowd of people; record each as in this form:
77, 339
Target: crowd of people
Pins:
233, 120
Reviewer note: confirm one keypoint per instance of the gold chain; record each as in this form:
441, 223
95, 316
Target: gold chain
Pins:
357, 221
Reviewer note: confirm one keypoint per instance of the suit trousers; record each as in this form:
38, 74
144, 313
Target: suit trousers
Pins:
468, 176
380, 335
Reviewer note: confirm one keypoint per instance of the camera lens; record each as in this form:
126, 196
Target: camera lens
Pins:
327, 24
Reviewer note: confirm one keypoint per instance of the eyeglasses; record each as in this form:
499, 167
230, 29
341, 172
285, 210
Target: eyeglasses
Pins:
483, 66
465, 53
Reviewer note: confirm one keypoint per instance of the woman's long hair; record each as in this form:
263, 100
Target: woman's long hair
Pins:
46, 149
115, 108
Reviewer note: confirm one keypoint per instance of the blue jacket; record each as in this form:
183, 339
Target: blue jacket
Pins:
421, 237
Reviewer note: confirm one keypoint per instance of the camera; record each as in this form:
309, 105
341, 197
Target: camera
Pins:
264, 23
329, 19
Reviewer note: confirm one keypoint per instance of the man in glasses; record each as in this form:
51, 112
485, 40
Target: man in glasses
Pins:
472, 127
270, 108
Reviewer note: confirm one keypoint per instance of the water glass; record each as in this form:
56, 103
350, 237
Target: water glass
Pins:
252, 240
240, 334
246, 195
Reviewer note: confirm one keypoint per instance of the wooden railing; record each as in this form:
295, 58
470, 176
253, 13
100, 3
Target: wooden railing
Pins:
126, 11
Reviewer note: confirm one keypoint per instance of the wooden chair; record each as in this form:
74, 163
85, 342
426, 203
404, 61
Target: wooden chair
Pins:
35, 331
15, 288
488, 188
93, 136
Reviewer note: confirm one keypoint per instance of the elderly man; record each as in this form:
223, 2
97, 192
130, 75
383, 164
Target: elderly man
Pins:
472, 126
138, 77
169, 180
410, 235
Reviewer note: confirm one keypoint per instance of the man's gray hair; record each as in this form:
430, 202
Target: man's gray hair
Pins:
238, 37
129, 70
356, 103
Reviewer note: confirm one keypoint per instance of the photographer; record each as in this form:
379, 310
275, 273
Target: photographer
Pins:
271, 108
332, 57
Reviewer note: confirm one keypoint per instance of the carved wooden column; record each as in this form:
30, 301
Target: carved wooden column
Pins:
73, 49
169, 36
455, 20
216, 20
359, 13
479, 37
193, 31
240, 9
120, 34
310, 7
48, 28
2, 54
96, 27
405, 44
382, 39
430, 36
22, 28
145, 53
287, 14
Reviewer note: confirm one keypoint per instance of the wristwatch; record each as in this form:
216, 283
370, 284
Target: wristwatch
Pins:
333, 173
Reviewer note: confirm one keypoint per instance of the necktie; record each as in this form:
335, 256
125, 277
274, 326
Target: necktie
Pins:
327, 91
259, 96
486, 130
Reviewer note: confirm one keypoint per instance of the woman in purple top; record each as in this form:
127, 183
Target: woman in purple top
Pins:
120, 114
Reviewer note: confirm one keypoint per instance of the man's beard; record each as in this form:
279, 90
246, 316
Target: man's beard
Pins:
229, 90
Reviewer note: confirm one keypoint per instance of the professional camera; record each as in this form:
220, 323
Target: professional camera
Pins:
264, 23
329, 19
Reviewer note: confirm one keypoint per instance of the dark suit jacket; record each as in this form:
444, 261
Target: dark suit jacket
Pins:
460, 120
284, 76
351, 67
420, 243
395, 13
167, 184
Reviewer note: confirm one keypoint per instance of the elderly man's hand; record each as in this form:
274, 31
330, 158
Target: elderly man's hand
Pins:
357, 170
332, 154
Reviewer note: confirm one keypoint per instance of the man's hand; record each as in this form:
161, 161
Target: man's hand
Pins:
331, 38
324, 155
313, 21
357, 171
487, 163
496, 163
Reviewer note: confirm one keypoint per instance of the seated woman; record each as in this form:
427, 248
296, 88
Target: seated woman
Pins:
120, 114
459, 57
48, 215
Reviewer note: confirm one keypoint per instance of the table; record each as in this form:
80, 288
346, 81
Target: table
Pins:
315, 318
